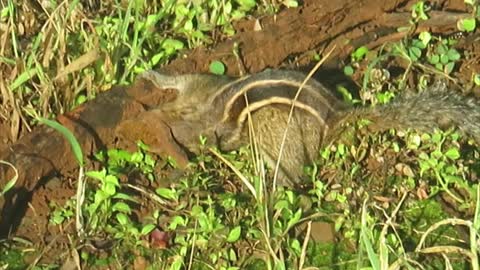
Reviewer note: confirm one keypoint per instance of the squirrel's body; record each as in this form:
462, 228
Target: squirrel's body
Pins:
219, 107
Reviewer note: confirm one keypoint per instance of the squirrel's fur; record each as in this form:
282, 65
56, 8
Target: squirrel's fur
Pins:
218, 107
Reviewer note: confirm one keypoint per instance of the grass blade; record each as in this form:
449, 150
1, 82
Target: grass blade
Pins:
11, 183
77, 150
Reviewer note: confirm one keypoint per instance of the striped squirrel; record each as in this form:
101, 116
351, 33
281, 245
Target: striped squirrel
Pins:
218, 107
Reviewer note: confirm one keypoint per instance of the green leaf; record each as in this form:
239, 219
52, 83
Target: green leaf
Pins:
238, 14
291, 3
204, 222
423, 155
444, 59
449, 67
147, 229
99, 175
434, 59
452, 179
414, 142
228, 8
476, 79
290, 196
57, 218
234, 234
425, 37
156, 58
296, 246
181, 10
112, 179
418, 44
246, 5
365, 238
188, 26
132, 230
441, 49
296, 217
172, 45
136, 158
217, 67
347, 96
453, 55
414, 53
385, 97
177, 220
122, 207
77, 150
418, 11
436, 154
453, 154
177, 264
122, 219
123, 196
167, 193
151, 20
197, 210
4, 13
80, 99
232, 256
110, 189
359, 53
348, 70
117, 154
341, 149
22, 78
466, 25
280, 205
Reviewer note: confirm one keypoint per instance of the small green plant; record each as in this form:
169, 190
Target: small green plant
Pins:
419, 11
108, 209
436, 51
443, 57
60, 214
217, 67
356, 56
440, 164
416, 47
469, 24
11, 257
119, 161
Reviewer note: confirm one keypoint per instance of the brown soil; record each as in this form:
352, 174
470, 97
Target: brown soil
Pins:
289, 39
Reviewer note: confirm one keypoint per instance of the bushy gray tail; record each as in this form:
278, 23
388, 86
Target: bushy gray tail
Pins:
437, 107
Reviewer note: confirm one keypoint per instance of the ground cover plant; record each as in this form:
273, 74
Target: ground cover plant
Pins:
398, 199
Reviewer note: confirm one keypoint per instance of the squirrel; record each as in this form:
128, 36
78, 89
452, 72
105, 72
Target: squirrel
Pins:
219, 108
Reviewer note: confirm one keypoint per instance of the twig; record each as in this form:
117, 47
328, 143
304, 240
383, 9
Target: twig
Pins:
290, 114
305, 244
